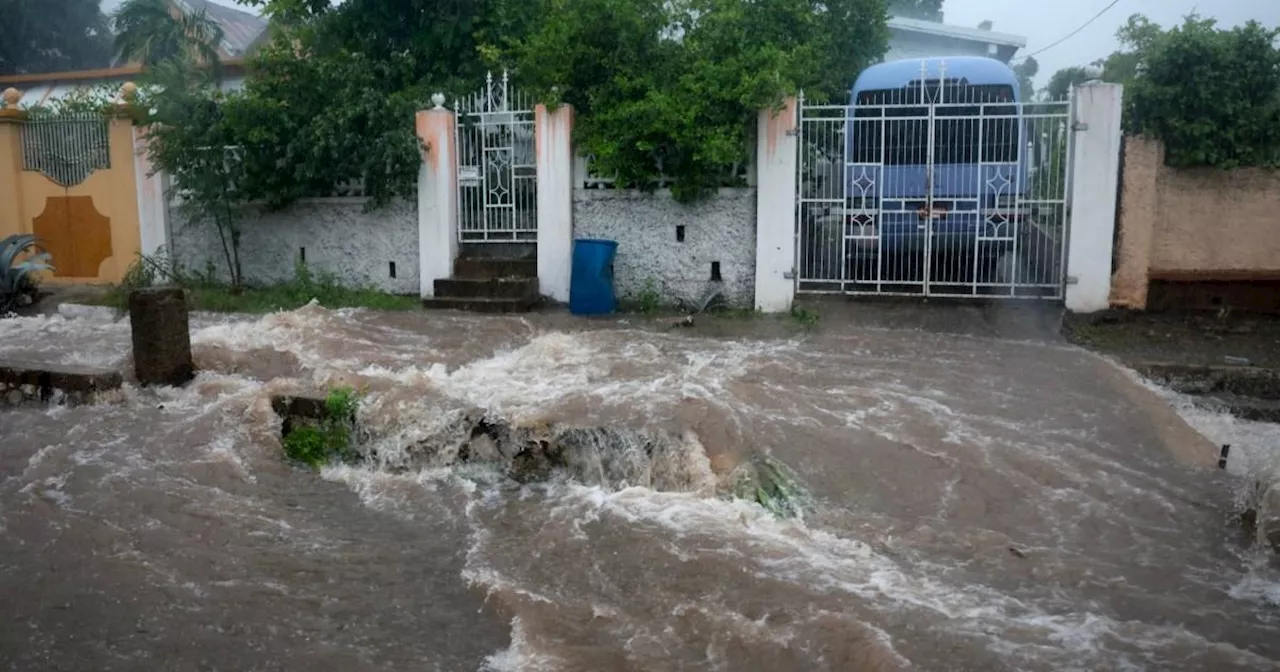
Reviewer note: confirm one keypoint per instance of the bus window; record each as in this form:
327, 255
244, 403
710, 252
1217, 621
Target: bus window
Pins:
971, 124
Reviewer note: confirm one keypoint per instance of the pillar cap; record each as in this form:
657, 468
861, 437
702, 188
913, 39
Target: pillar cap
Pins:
129, 93
11, 97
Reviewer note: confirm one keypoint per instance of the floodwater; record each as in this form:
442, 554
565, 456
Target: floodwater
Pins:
976, 504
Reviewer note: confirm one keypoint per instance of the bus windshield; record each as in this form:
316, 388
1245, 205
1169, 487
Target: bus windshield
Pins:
971, 123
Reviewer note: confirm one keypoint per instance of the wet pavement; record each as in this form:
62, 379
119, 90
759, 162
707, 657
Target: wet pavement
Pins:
984, 497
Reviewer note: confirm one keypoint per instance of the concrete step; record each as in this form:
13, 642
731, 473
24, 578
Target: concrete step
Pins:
485, 305
475, 268
493, 288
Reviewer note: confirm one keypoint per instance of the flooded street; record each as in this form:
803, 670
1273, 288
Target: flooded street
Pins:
977, 504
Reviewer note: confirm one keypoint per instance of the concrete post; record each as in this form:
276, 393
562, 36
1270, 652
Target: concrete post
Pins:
1095, 174
161, 336
11, 219
776, 208
437, 196
1139, 205
554, 144
153, 210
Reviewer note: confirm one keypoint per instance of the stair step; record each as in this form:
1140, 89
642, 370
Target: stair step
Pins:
472, 268
492, 288
487, 305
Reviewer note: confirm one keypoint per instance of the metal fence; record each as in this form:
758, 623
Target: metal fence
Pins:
943, 193
497, 166
68, 148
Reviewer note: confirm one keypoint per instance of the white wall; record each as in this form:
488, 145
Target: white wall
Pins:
717, 228
339, 237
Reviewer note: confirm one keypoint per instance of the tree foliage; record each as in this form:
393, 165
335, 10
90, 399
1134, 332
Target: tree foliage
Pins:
929, 10
672, 88
46, 36
1212, 95
1026, 70
1064, 80
149, 32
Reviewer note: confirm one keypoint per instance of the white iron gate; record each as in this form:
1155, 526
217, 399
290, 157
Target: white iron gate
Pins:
497, 166
940, 188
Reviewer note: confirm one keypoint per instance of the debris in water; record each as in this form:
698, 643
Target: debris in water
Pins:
1017, 552
1237, 361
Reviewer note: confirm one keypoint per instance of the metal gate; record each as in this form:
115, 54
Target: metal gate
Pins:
936, 189
497, 166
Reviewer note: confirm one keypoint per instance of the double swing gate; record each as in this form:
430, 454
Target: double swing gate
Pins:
939, 188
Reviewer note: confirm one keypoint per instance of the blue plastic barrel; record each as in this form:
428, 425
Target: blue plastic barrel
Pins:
591, 281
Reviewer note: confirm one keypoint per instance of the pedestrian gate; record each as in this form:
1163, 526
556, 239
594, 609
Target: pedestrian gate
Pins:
497, 166
937, 189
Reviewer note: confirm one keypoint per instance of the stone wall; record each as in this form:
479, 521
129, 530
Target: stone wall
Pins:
719, 229
337, 235
1192, 225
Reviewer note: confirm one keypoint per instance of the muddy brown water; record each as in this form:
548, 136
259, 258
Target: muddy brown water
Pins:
977, 504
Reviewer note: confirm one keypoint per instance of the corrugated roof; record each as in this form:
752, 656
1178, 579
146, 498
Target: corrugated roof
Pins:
239, 28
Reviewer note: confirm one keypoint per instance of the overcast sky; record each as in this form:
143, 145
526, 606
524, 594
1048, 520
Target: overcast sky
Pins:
1043, 22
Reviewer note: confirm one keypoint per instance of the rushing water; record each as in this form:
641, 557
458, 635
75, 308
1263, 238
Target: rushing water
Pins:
976, 504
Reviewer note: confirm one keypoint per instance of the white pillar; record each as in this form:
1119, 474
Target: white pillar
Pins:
776, 209
437, 197
1095, 174
153, 211
553, 134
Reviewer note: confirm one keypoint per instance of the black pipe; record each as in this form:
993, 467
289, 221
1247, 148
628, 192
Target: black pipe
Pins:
1222, 457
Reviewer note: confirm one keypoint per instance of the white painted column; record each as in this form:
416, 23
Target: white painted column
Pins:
153, 207
437, 196
554, 142
776, 209
1095, 175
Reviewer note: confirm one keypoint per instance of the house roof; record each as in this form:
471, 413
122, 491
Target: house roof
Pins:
957, 32
239, 29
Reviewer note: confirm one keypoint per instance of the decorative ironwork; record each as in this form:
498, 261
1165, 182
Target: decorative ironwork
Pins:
497, 165
67, 149
937, 189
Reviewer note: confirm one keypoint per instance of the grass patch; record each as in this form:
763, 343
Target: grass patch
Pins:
205, 293
331, 438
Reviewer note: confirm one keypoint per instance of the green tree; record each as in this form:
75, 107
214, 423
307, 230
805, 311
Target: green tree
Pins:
193, 140
1062, 81
1026, 70
1136, 38
152, 32
929, 10
1212, 95
45, 36
672, 89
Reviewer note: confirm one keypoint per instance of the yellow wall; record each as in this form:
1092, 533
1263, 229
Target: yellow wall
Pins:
24, 194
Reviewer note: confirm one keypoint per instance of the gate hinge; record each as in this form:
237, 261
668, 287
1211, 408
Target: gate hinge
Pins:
1079, 126
789, 275
1073, 280
793, 132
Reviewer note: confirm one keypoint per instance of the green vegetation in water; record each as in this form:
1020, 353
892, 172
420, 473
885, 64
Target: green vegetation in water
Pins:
772, 485
331, 439
804, 316
205, 292
649, 300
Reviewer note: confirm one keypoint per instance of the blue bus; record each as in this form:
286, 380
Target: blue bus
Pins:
935, 158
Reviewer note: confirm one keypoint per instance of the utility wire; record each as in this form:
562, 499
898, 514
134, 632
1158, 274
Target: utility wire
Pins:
1073, 33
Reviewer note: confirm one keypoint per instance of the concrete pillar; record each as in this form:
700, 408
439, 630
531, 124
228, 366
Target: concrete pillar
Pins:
153, 211
1095, 172
1139, 205
437, 196
554, 143
11, 220
161, 336
776, 208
